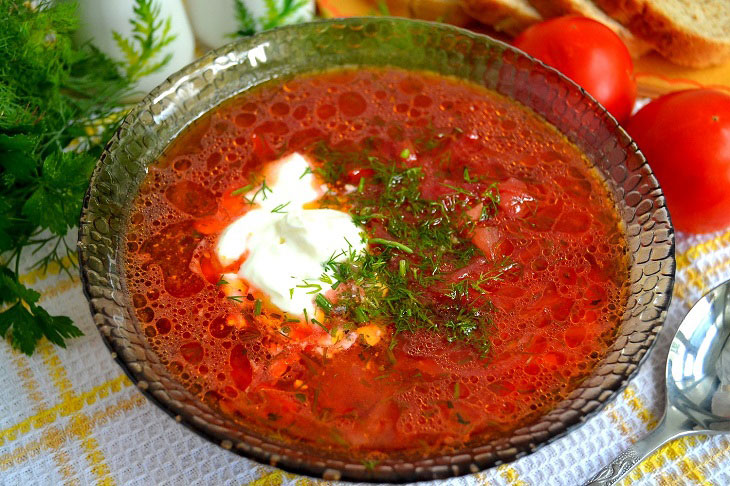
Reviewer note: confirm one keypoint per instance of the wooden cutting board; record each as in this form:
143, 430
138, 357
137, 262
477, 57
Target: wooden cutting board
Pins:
654, 74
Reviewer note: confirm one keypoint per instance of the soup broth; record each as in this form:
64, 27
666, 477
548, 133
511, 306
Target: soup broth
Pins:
486, 282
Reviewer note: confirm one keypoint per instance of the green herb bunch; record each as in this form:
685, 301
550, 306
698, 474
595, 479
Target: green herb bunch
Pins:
51, 94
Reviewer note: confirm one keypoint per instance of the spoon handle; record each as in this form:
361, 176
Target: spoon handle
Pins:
617, 469
634, 454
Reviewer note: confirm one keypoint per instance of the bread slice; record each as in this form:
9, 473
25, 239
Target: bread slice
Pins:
586, 8
693, 33
509, 16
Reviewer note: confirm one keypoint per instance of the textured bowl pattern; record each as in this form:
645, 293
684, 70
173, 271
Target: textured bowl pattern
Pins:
163, 114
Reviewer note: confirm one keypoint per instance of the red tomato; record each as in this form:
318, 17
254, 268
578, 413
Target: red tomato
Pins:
685, 137
487, 239
241, 370
590, 54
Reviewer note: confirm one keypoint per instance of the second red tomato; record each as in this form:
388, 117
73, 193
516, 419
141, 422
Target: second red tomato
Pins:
590, 54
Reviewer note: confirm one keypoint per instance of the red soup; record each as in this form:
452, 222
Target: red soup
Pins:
376, 261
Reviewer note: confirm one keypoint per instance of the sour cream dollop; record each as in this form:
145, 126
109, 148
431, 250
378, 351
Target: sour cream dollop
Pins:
284, 243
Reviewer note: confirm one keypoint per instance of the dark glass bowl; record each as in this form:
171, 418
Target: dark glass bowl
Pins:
151, 125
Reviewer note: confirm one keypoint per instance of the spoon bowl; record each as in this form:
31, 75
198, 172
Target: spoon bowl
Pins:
697, 381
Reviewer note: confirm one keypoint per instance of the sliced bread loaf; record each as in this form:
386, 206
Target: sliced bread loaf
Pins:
586, 8
694, 33
509, 16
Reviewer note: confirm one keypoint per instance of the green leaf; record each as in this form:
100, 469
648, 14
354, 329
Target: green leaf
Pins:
46, 211
6, 226
56, 203
11, 289
16, 157
56, 328
27, 322
25, 332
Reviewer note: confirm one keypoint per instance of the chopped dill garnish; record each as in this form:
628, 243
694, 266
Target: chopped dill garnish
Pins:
262, 190
221, 282
419, 241
491, 194
323, 303
257, 307
235, 298
278, 209
315, 321
308, 170
242, 190
392, 244
459, 190
466, 175
315, 288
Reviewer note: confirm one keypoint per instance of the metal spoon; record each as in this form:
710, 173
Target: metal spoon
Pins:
698, 383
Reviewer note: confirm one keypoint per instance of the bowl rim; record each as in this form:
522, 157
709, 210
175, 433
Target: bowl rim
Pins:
261, 455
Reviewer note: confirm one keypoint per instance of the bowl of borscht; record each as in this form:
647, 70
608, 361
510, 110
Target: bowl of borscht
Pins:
375, 249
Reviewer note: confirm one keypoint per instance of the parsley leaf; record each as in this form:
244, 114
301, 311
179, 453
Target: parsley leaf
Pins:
56, 202
25, 322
